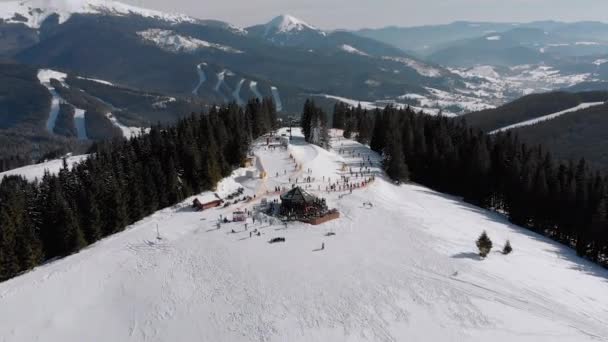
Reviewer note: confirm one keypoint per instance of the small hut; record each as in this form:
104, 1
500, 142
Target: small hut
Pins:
196, 204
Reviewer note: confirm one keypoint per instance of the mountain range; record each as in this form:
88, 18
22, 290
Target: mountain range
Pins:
122, 67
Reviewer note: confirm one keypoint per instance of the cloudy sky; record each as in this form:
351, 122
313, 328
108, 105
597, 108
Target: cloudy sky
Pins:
352, 14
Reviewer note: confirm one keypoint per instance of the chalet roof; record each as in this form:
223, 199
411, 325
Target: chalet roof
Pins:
298, 195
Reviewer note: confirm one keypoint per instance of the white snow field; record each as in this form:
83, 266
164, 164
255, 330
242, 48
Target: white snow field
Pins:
253, 85
548, 117
127, 131
45, 76
276, 98
36, 171
35, 12
201, 77
402, 269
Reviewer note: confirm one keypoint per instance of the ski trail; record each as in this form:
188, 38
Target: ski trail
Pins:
277, 98
548, 117
201, 78
253, 85
127, 132
45, 76
237, 91
79, 123
220, 79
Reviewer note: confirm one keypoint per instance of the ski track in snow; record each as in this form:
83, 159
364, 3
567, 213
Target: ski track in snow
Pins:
404, 269
79, 123
237, 93
220, 80
201, 78
548, 117
277, 98
45, 76
127, 131
253, 85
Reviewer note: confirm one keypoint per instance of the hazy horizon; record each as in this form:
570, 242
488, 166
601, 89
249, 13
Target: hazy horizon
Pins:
357, 14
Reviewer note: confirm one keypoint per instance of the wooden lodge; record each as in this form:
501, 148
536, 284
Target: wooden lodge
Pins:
196, 204
300, 205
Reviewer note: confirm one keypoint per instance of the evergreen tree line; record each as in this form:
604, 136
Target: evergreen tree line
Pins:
563, 200
315, 126
122, 182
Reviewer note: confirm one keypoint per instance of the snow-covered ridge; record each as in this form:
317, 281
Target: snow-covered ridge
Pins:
353, 50
421, 68
34, 12
286, 24
548, 117
173, 42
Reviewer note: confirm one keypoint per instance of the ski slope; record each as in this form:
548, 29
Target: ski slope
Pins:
127, 131
36, 171
548, 117
404, 269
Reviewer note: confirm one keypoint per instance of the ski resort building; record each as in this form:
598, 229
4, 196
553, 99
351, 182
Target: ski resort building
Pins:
299, 205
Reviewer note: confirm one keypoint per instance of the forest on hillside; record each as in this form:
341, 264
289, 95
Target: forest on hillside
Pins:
567, 201
122, 182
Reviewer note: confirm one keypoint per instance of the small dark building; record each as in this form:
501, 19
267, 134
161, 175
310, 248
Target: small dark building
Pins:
196, 204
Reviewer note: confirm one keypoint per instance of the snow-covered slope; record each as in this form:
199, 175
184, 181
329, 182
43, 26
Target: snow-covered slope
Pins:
36, 171
402, 269
34, 12
286, 24
173, 42
548, 117
45, 76
353, 50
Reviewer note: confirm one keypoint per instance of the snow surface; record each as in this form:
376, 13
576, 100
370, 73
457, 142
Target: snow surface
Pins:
253, 85
36, 12
36, 171
404, 269
79, 123
421, 68
599, 62
45, 76
237, 92
381, 104
352, 50
548, 117
96, 80
201, 78
173, 42
127, 131
288, 24
277, 98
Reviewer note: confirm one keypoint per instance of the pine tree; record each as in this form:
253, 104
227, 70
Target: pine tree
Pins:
484, 244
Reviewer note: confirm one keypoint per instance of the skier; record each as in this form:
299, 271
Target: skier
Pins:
323, 246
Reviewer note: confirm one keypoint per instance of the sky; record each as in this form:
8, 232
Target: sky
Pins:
354, 14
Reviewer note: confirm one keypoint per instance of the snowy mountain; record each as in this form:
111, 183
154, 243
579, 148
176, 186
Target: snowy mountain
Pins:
287, 30
34, 13
401, 265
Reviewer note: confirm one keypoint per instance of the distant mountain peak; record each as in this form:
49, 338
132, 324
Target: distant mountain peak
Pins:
287, 23
34, 12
